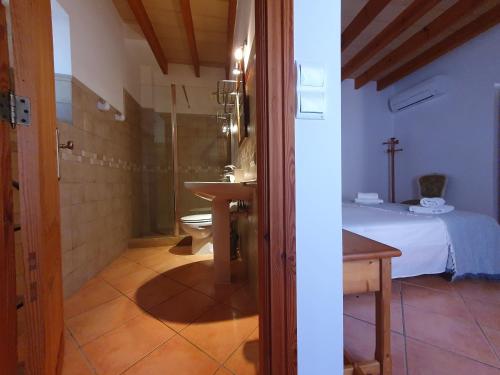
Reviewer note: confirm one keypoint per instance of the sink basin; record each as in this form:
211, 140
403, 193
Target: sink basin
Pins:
220, 190
220, 194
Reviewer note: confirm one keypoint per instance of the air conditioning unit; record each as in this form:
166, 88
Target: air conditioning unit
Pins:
421, 93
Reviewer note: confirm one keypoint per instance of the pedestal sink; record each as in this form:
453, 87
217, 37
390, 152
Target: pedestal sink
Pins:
221, 194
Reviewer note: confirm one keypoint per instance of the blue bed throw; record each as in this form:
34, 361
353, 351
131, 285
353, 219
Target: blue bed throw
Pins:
475, 240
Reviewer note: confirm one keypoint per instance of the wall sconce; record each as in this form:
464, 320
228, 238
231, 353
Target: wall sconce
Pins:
120, 117
236, 70
238, 53
103, 105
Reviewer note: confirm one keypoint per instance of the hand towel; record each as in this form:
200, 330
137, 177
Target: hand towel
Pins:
432, 202
367, 196
368, 201
431, 210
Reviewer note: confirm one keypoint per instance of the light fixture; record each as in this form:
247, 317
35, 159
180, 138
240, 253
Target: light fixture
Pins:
238, 53
120, 117
236, 69
103, 105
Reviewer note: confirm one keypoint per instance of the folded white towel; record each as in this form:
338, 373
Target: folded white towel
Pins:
431, 210
368, 201
432, 202
367, 196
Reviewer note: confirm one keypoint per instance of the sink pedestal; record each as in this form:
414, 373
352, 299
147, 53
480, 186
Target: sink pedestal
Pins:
221, 227
221, 194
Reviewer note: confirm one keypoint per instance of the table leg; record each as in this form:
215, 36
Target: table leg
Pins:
383, 318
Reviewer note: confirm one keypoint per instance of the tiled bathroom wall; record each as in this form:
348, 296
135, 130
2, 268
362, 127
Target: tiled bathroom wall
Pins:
246, 156
100, 185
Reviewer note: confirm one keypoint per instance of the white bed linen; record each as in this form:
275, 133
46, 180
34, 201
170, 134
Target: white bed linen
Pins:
423, 240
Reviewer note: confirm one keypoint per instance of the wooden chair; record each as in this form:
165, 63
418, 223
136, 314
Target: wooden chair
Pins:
430, 186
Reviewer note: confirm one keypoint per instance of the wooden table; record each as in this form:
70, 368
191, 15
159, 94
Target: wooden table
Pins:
367, 268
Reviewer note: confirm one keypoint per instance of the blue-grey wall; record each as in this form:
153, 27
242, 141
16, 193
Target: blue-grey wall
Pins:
456, 134
366, 124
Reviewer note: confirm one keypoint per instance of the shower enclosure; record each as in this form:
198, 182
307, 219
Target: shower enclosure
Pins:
177, 147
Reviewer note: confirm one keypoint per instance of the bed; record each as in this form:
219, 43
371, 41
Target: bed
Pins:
463, 244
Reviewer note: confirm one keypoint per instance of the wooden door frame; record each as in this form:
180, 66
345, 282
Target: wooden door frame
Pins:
8, 312
276, 188
39, 187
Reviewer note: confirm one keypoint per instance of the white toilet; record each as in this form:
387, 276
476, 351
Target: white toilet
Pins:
199, 227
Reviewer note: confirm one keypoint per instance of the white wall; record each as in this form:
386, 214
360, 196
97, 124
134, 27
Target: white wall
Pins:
98, 48
156, 89
244, 27
61, 39
318, 199
366, 124
457, 133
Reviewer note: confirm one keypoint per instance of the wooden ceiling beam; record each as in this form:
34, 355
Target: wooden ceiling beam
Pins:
463, 35
361, 21
187, 17
144, 22
416, 10
439, 25
231, 21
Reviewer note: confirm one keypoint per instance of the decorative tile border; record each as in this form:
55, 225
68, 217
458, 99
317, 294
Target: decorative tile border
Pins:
93, 158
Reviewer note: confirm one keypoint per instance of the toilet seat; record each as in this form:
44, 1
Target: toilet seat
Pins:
199, 227
198, 220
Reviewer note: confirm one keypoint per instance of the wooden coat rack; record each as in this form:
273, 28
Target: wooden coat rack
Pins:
391, 151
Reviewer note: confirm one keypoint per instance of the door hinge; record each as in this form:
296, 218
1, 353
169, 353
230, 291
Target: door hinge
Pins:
16, 110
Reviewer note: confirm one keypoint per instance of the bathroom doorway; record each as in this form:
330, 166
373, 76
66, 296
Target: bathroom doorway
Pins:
275, 235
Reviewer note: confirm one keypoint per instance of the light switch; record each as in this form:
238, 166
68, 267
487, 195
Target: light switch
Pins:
311, 91
312, 102
312, 76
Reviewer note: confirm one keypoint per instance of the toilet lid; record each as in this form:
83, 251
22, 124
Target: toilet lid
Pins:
204, 218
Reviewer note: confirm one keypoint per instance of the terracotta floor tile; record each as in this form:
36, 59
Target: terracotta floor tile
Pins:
359, 341
245, 360
74, 363
220, 331
243, 300
363, 307
218, 292
94, 293
94, 323
136, 254
487, 314
118, 268
494, 338
448, 333
119, 349
481, 290
439, 302
179, 311
155, 291
425, 359
223, 371
162, 262
176, 356
133, 281
192, 274
430, 281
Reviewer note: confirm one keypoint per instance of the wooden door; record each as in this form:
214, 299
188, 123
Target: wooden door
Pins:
33, 76
8, 334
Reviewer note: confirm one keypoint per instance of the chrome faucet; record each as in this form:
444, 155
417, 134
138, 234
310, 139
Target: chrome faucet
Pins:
228, 173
